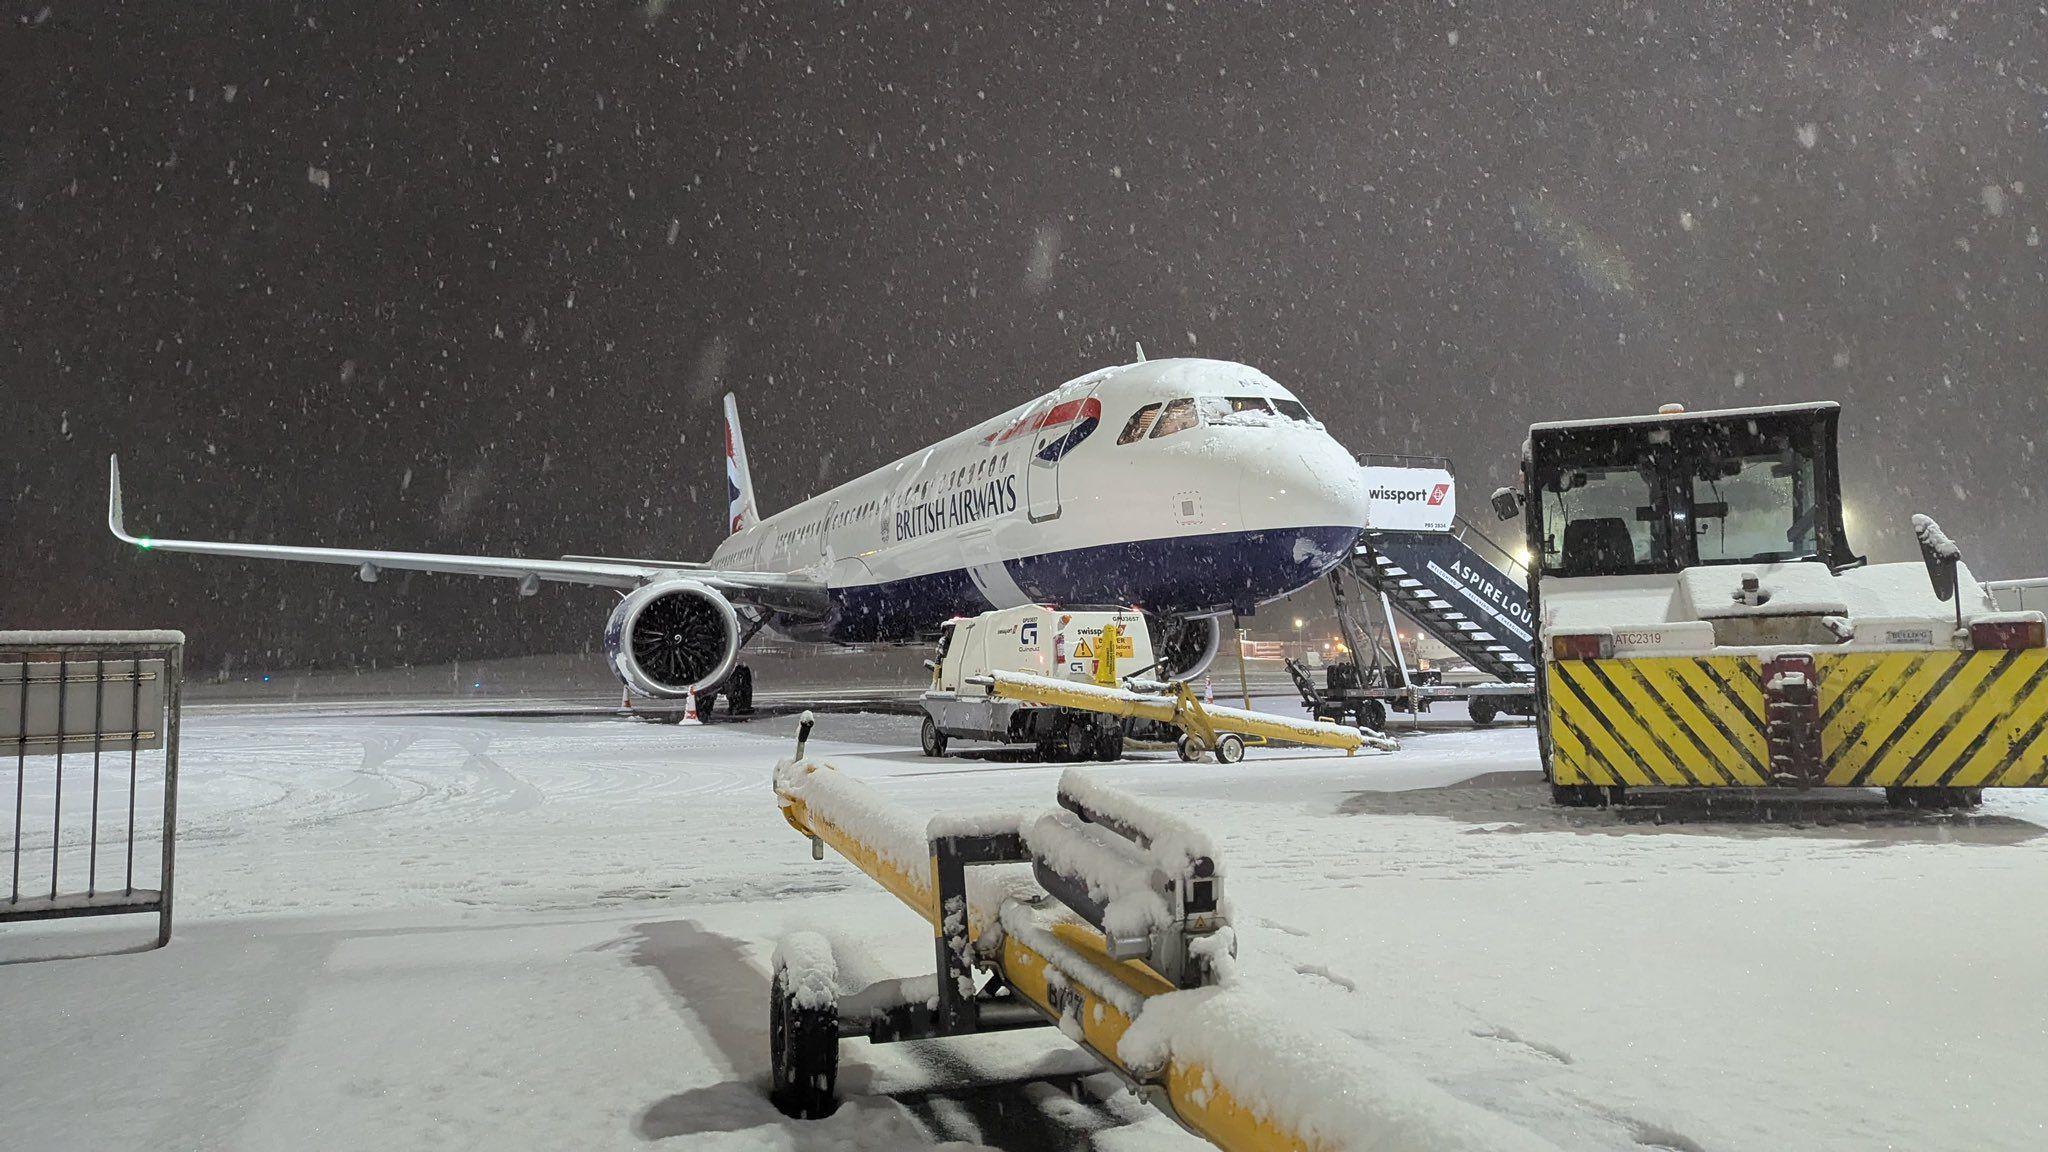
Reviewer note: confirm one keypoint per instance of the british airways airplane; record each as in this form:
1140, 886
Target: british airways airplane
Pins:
1188, 488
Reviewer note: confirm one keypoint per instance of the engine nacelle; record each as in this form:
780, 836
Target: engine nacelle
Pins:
671, 638
1187, 646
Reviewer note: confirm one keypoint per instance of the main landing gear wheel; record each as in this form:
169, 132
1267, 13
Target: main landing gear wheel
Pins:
739, 692
933, 740
1934, 799
1229, 748
803, 1053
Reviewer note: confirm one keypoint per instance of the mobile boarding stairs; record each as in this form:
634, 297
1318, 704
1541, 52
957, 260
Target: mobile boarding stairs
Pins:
1422, 559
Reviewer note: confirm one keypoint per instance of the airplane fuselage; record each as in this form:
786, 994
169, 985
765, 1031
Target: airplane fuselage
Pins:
1184, 487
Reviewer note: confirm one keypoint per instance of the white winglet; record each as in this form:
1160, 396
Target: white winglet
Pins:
114, 519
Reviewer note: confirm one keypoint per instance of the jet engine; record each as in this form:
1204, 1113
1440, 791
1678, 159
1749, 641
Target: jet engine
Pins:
1185, 647
672, 637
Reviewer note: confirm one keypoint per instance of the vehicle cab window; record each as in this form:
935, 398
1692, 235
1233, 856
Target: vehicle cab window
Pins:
1755, 508
1642, 497
1600, 521
1293, 410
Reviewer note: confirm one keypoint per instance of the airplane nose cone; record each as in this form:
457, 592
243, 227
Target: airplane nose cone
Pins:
1339, 485
1303, 479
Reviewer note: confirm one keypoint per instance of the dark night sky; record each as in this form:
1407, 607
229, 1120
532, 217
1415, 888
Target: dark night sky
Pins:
550, 237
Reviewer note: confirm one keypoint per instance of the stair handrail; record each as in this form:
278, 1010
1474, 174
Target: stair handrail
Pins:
1513, 562
1404, 460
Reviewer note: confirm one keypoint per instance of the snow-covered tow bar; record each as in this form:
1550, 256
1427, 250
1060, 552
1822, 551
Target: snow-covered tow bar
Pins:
1203, 727
1104, 917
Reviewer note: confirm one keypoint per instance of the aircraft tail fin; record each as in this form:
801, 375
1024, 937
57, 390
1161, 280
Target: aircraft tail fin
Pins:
740, 510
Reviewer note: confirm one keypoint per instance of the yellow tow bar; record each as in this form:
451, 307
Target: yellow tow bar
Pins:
1180, 707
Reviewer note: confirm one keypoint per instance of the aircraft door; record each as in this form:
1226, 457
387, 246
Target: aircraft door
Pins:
1059, 426
818, 551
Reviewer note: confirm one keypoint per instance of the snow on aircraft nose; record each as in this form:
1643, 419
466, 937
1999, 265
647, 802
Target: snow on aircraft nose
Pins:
1299, 477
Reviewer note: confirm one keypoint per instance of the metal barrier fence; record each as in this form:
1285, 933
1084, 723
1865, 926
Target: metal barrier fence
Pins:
110, 697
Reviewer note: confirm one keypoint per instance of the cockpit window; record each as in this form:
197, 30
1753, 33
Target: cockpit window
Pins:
1293, 410
1179, 416
1140, 423
1237, 411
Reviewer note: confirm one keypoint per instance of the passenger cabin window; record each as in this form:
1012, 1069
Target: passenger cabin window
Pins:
1179, 416
1598, 521
1755, 508
1139, 424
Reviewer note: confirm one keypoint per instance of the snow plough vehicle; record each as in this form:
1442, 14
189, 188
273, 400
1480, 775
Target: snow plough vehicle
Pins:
1705, 623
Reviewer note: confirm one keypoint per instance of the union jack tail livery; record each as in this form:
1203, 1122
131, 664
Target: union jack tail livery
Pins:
740, 510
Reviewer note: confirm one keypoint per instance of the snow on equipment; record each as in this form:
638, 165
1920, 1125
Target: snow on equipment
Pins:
1704, 623
1203, 727
1105, 918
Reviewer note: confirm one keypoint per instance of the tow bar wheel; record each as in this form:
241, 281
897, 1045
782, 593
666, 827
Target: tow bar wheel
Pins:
1229, 748
803, 1052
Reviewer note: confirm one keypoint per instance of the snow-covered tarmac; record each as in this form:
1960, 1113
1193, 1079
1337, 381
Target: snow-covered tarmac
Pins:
436, 931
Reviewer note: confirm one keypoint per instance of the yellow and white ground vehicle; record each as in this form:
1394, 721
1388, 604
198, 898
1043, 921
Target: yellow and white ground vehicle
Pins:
1090, 646
1075, 683
1705, 623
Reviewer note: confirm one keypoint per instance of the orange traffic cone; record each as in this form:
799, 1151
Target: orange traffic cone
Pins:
690, 709
1208, 690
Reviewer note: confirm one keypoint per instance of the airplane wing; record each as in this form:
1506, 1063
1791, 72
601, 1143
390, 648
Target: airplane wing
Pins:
792, 593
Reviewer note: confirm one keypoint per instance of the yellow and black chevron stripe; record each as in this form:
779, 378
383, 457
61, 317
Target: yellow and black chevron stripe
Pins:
1921, 719
1680, 721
